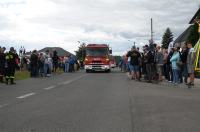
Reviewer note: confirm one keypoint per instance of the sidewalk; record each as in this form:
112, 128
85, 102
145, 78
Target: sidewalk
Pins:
168, 84
197, 82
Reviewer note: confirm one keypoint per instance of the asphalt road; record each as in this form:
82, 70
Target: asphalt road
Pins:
97, 102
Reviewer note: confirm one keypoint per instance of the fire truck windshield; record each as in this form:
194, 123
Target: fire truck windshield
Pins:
97, 52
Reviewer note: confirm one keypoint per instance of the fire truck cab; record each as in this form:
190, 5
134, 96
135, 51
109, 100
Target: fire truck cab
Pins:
97, 58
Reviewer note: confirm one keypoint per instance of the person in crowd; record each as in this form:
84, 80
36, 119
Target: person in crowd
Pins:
122, 64
165, 66
184, 54
41, 60
140, 62
55, 61
20, 51
10, 66
66, 63
17, 60
2, 64
135, 63
190, 63
125, 64
76, 65
154, 69
46, 63
169, 66
128, 65
180, 66
175, 58
159, 62
24, 50
50, 63
34, 63
149, 57
71, 63
144, 61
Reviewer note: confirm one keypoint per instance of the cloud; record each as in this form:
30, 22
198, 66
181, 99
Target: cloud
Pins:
40, 23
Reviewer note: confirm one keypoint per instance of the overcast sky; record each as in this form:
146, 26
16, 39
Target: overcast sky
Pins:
39, 23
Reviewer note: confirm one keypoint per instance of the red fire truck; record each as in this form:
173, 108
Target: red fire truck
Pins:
97, 58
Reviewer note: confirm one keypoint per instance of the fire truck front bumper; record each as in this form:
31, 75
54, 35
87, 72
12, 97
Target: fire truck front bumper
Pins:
97, 67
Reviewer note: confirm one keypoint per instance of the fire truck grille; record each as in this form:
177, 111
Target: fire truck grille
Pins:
96, 62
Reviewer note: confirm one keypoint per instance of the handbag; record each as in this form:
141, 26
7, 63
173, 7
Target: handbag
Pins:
179, 63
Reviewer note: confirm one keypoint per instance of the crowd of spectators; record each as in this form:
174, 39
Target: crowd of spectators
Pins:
174, 65
39, 64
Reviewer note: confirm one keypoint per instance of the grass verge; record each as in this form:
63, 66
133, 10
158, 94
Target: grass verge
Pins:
21, 75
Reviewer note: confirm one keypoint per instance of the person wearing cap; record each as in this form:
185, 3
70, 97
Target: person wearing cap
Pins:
46, 63
190, 62
159, 62
10, 66
34, 63
134, 63
149, 60
175, 69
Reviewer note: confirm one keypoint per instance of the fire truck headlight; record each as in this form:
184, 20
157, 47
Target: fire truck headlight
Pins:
106, 67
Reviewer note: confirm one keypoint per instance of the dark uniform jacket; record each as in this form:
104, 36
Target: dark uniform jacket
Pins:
11, 59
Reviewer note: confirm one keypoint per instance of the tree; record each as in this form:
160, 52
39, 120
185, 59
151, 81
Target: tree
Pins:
194, 35
167, 38
81, 52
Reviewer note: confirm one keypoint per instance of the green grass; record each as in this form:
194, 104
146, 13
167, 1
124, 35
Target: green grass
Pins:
21, 75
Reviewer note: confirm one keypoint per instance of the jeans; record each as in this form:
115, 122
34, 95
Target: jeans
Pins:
149, 69
66, 67
34, 71
185, 71
175, 76
168, 72
128, 66
46, 68
180, 76
41, 70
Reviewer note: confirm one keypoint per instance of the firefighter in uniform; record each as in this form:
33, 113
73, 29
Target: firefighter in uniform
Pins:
10, 66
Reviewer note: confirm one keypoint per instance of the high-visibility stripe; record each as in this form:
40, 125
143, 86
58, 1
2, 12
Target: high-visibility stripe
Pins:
11, 56
7, 57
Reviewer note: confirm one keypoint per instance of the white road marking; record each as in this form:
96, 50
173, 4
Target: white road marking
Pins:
67, 82
26, 95
75, 79
50, 87
1, 106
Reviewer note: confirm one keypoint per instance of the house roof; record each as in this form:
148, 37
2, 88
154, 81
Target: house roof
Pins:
184, 36
195, 16
60, 51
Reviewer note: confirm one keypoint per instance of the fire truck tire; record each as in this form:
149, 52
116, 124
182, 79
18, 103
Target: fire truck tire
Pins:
108, 71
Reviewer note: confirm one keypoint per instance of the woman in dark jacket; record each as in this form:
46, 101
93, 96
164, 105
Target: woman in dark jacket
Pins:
184, 61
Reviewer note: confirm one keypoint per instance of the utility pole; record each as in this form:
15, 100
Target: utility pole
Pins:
132, 42
151, 30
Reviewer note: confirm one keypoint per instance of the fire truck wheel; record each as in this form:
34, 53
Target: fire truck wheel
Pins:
108, 71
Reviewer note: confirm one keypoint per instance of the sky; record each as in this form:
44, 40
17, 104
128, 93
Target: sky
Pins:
36, 24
